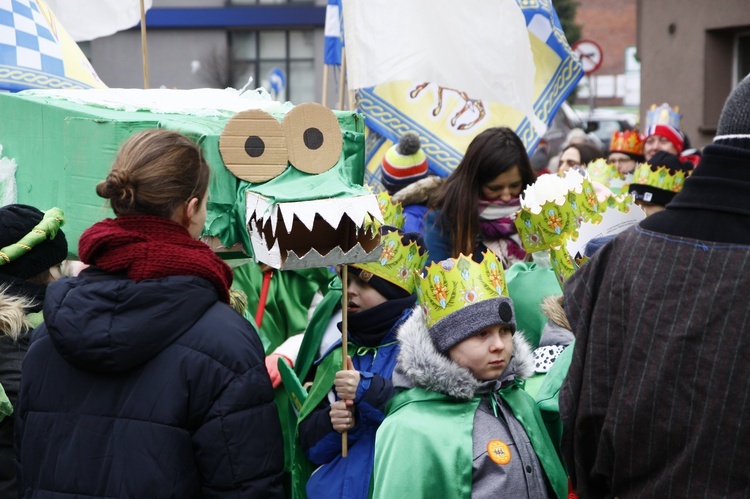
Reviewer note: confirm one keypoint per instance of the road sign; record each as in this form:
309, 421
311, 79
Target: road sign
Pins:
590, 53
277, 78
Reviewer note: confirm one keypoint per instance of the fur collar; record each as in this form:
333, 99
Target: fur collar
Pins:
419, 192
421, 365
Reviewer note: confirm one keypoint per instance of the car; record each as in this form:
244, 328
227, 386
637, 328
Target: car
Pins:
565, 120
604, 122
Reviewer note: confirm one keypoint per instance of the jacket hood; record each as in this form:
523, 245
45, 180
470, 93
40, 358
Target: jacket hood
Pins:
115, 324
421, 365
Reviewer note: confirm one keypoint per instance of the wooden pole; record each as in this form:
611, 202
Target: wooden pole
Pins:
144, 50
324, 99
344, 342
342, 80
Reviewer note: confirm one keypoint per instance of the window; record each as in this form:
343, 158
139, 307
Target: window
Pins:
270, 57
742, 56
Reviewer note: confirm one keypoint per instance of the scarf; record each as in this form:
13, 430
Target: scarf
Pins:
370, 327
151, 247
495, 222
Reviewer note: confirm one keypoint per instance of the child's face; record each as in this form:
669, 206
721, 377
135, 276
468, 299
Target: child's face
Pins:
361, 295
487, 353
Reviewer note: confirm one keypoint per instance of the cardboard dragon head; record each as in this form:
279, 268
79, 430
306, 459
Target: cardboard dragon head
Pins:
305, 204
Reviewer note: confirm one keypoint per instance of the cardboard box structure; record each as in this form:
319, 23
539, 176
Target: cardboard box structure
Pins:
64, 143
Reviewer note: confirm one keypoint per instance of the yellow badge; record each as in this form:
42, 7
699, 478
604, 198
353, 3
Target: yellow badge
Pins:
498, 451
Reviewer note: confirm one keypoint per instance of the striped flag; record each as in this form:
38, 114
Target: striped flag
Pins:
37, 52
334, 40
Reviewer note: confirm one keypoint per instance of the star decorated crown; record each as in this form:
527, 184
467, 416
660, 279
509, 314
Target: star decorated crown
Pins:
392, 211
455, 283
662, 177
663, 115
629, 141
399, 261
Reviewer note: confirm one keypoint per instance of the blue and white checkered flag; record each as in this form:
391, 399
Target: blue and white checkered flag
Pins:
37, 52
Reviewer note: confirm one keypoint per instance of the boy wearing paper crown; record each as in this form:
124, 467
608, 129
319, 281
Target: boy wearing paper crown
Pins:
463, 426
657, 181
381, 298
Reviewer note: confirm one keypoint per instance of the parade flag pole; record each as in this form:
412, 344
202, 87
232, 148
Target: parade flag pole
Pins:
324, 98
342, 80
344, 342
144, 50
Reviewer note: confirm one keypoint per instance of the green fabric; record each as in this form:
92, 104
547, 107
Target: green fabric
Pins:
424, 447
432, 439
35, 318
290, 294
534, 383
6, 409
528, 285
547, 398
290, 381
316, 328
302, 468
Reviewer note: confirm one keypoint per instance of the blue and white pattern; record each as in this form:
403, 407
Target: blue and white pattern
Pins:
26, 40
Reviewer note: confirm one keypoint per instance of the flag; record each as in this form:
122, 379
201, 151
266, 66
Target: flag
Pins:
37, 52
89, 19
333, 31
478, 46
448, 118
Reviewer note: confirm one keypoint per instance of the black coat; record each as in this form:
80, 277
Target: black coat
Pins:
148, 389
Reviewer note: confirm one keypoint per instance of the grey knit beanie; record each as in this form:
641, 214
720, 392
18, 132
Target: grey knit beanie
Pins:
464, 322
734, 122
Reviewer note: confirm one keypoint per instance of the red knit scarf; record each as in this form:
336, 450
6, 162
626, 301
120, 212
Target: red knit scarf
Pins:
150, 247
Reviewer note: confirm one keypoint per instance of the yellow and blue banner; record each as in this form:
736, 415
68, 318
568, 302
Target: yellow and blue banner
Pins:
37, 52
447, 119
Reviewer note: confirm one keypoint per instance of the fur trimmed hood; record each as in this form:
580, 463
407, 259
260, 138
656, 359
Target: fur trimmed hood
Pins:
421, 365
419, 192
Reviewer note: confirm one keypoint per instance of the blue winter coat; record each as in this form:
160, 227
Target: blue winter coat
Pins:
349, 477
148, 389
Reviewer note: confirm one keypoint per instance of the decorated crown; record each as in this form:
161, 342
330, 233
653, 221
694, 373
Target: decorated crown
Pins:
393, 212
453, 284
553, 208
629, 141
663, 115
400, 260
662, 178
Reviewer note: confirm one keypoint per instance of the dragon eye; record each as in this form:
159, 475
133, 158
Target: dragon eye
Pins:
253, 146
313, 136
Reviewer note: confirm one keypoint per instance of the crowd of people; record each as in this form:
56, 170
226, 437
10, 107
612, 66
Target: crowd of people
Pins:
467, 371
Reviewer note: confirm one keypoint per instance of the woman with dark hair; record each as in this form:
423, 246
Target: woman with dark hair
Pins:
578, 156
142, 381
472, 211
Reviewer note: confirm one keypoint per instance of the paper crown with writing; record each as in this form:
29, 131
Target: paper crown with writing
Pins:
666, 121
629, 142
402, 257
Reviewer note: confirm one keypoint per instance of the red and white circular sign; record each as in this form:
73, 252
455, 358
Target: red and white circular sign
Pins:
590, 53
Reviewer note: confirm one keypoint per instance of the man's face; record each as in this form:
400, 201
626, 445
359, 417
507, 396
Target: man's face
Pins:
624, 163
656, 143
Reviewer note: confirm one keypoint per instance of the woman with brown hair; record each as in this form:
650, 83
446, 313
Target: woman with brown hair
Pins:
142, 381
472, 211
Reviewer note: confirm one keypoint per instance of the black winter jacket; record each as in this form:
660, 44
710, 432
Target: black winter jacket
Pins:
147, 389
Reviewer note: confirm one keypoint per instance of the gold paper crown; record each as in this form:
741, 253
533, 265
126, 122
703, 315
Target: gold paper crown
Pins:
456, 283
629, 141
663, 178
397, 263
393, 212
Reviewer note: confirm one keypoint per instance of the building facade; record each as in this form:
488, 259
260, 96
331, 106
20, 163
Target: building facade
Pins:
692, 53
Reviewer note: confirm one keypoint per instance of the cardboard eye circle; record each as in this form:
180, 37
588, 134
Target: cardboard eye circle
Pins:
253, 146
313, 136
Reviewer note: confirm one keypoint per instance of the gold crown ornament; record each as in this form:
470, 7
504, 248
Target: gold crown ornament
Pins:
661, 178
629, 141
663, 115
450, 285
392, 211
398, 262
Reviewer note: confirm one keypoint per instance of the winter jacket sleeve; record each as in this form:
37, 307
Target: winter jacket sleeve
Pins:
373, 393
238, 447
436, 240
